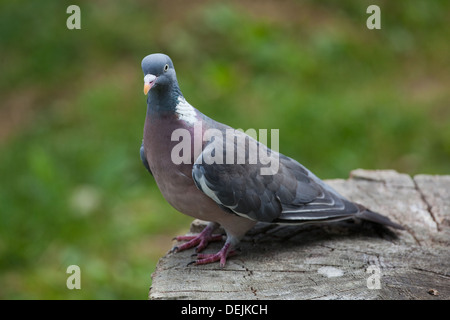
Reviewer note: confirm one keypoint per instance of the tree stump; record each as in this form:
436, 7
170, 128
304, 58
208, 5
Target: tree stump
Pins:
340, 260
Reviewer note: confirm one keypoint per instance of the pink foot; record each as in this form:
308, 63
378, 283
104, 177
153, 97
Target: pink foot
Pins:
219, 256
201, 240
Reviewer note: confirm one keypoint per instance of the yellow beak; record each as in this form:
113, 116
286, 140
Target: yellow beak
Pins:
147, 87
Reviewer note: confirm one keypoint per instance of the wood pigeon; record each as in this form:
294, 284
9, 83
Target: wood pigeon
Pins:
236, 194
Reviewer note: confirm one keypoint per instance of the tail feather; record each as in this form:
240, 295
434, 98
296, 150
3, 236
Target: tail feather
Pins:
372, 216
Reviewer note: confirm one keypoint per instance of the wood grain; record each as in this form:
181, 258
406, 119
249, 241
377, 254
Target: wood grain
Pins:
336, 260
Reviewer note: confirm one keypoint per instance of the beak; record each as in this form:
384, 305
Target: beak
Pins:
149, 81
147, 88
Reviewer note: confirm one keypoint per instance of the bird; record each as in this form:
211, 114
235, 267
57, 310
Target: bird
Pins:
233, 195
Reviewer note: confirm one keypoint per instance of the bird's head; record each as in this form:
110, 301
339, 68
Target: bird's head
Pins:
158, 72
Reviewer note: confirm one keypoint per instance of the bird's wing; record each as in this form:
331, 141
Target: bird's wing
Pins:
291, 195
144, 158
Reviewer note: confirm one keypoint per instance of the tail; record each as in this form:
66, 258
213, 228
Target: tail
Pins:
368, 215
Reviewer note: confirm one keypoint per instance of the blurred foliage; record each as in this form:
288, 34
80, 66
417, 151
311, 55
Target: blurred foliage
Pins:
73, 190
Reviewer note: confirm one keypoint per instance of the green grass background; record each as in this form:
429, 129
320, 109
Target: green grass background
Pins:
72, 188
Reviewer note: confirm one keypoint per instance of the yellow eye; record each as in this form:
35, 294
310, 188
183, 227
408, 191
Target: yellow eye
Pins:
166, 67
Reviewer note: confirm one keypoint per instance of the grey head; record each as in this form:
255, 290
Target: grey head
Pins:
160, 81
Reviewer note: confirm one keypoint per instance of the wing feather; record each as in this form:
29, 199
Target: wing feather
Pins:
144, 158
292, 195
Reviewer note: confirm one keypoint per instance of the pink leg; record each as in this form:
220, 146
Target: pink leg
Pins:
219, 256
201, 240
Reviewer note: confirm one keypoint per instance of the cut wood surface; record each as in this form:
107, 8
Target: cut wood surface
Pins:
341, 260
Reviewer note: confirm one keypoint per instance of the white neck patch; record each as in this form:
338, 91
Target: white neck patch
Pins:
185, 111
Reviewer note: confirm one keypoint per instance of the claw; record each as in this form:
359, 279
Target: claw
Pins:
174, 249
192, 262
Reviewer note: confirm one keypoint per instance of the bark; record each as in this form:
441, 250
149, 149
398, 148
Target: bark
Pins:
342, 260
